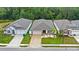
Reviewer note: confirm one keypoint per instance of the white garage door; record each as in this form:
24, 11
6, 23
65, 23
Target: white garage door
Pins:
75, 33
37, 32
20, 31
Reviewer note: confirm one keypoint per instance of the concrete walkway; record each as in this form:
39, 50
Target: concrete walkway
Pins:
77, 38
15, 41
35, 41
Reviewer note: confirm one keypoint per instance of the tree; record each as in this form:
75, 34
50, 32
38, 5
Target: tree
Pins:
33, 13
2, 13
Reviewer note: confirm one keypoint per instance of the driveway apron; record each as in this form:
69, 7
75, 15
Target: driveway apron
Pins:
15, 41
35, 41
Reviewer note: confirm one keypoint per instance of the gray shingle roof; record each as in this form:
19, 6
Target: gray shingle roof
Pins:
42, 24
66, 24
74, 25
20, 24
61, 24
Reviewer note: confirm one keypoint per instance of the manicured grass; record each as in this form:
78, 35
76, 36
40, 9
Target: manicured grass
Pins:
5, 39
59, 40
70, 40
26, 39
50, 40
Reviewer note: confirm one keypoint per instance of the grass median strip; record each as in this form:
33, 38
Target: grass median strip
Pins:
26, 39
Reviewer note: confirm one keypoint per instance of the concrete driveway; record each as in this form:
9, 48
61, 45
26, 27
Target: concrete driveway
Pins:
15, 41
77, 38
35, 41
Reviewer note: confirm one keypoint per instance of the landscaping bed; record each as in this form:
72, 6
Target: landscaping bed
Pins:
26, 39
59, 40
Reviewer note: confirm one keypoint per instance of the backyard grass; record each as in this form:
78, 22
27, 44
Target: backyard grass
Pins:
59, 40
26, 39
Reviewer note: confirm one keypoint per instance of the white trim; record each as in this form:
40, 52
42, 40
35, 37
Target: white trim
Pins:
28, 28
56, 27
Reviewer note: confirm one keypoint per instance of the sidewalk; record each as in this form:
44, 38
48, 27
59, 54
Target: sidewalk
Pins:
77, 38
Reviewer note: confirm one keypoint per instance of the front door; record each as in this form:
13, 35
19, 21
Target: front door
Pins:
44, 31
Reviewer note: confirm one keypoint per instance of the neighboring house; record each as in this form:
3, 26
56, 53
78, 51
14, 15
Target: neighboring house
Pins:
74, 28
41, 26
70, 28
61, 25
20, 26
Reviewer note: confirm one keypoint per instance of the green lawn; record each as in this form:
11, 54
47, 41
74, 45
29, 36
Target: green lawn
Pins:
59, 40
26, 39
5, 39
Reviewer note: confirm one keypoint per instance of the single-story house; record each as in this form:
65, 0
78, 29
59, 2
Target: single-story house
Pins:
20, 26
61, 24
70, 28
41, 26
73, 28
